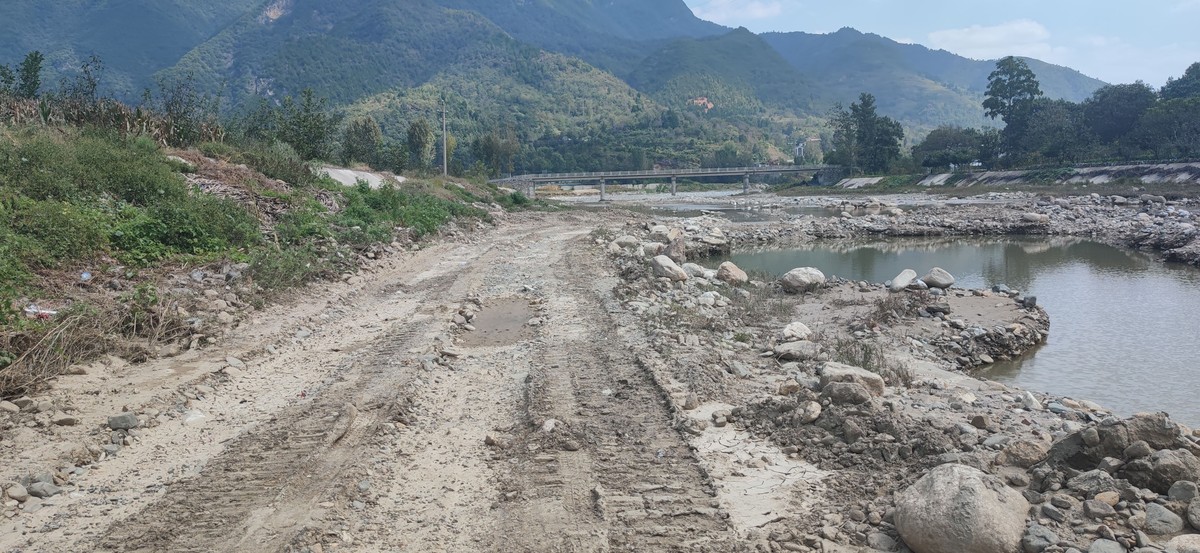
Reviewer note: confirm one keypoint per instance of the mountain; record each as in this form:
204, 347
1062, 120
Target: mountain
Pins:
919, 86
737, 72
134, 38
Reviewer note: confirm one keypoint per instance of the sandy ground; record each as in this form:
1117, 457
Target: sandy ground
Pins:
353, 419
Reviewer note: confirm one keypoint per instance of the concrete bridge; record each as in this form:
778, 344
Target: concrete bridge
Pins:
530, 182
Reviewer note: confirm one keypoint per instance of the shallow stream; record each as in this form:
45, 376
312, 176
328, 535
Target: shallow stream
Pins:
1124, 328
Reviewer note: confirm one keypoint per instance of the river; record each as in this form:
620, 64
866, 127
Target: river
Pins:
1123, 327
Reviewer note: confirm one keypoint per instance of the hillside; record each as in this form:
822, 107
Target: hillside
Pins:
919, 86
134, 38
738, 73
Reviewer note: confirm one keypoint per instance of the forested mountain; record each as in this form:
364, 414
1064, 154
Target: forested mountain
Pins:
554, 73
917, 85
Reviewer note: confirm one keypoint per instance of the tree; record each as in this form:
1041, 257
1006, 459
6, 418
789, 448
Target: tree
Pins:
1114, 110
1055, 131
844, 144
1171, 129
29, 75
362, 142
878, 137
8, 81
308, 125
946, 146
1011, 90
420, 145
84, 87
495, 153
1187, 86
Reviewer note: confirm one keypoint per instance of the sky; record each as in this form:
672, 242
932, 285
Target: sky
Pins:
1114, 41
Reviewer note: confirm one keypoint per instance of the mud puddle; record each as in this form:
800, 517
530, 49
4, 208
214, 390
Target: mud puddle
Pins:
501, 322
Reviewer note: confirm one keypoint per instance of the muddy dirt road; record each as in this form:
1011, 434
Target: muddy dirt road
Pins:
359, 418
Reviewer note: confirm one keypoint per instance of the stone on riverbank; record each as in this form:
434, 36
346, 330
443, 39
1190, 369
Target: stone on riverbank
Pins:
938, 278
1184, 544
732, 274
838, 372
903, 280
956, 508
802, 279
664, 267
795, 331
800, 350
1162, 469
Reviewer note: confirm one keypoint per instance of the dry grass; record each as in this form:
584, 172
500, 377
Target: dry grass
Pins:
871, 356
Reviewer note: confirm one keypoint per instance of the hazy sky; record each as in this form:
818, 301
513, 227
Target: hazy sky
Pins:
1118, 42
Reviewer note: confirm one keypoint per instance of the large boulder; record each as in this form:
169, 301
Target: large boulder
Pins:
800, 350
846, 393
838, 372
1188, 543
902, 280
956, 508
795, 331
1024, 453
1162, 469
802, 279
938, 278
664, 267
1160, 521
732, 274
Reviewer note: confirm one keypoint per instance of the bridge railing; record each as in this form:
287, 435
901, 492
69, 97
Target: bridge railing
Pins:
664, 173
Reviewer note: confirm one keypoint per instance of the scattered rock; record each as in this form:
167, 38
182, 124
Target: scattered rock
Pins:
44, 490
1037, 538
795, 331
1039, 218
851, 393
17, 492
1193, 513
902, 280
732, 274
809, 412
1183, 491
663, 266
839, 372
1160, 521
802, 279
1024, 453
955, 508
1184, 544
801, 350
9, 407
938, 278
65, 420
124, 421
1106, 546
1162, 469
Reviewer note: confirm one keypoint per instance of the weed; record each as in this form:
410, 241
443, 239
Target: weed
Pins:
870, 356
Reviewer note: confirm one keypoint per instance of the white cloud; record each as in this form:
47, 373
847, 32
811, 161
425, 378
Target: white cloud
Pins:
1022, 37
732, 11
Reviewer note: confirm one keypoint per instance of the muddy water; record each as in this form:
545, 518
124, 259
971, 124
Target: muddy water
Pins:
501, 322
1123, 327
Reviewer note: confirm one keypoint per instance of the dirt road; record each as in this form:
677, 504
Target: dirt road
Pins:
359, 418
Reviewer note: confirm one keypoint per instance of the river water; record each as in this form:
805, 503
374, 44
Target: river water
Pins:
1124, 328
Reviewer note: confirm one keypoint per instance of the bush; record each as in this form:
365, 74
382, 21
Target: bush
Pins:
195, 226
61, 230
275, 270
218, 150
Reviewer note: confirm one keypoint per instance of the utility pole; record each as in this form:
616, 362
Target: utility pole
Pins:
445, 143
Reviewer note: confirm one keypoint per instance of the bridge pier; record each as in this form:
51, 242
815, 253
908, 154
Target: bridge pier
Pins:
602, 190
746, 184
672, 185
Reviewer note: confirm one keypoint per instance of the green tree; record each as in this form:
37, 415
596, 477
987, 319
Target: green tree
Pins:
1011, 90
1187, 86
363, 142
1114, 110
29, 75
878, 137
8, 81
420, 145
309, 126
495, 153
946, 146
1055, 132
1171, 129
844, 142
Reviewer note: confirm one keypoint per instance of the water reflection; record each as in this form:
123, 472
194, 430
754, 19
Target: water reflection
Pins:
1123, 326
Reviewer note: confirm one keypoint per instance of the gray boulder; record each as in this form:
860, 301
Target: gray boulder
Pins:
1037, 538
838, 372
1193, 513
846, 393
731, 273
956, 508
800, 350
1184, 544
903, 280
663, 266
802, 279
124, 421
938, 278
1162, 469
1106, 546
44, 489
1160, 521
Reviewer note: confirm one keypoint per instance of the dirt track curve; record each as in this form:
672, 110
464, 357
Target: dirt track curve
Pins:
384, 432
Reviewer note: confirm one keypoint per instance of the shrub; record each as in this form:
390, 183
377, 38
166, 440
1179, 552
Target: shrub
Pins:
275, 270
62, 230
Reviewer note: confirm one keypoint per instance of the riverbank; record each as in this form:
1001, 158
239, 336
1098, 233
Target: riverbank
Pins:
778, 381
